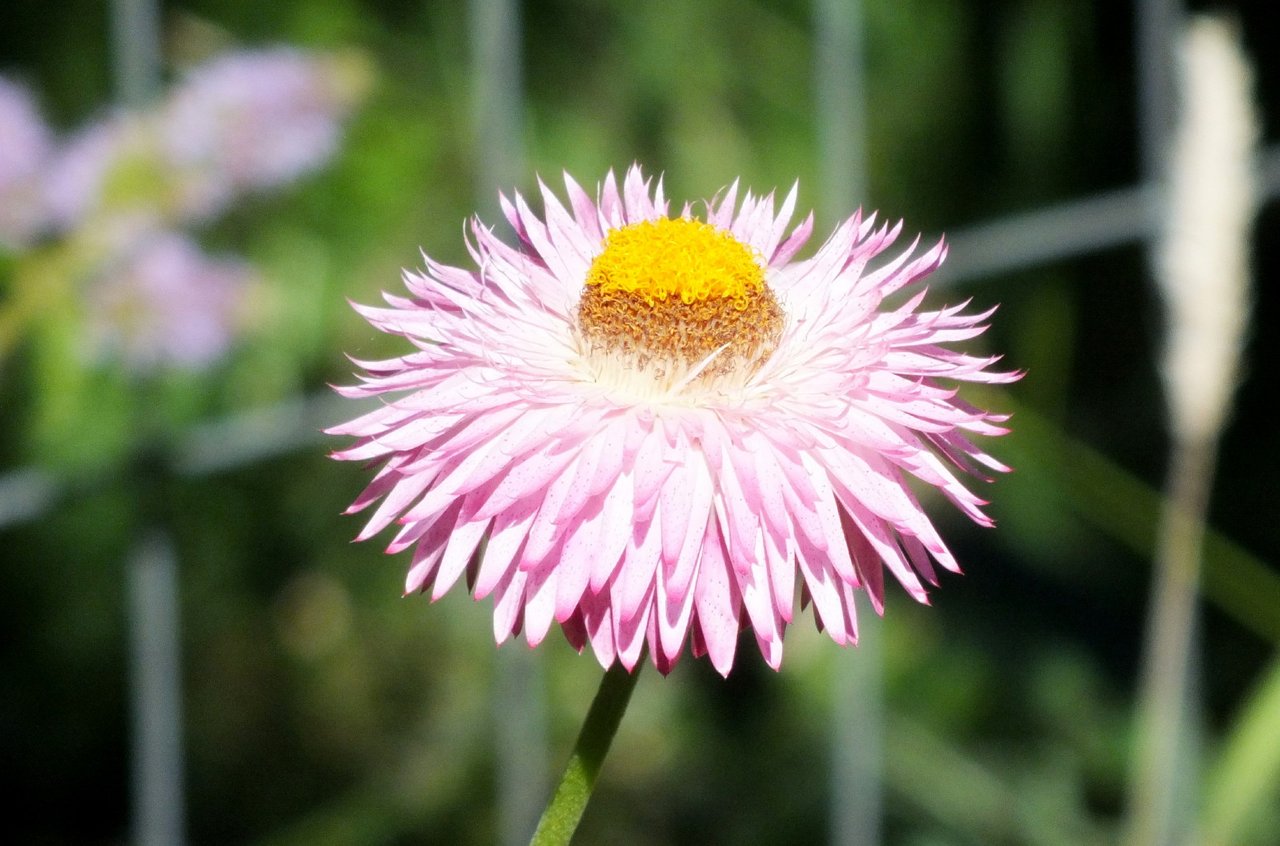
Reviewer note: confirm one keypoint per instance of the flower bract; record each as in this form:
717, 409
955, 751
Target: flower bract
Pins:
659, 430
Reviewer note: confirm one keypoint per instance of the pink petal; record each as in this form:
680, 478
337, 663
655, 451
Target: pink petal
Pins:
716, 602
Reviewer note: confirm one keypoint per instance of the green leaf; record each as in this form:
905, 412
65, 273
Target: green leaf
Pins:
1247, 771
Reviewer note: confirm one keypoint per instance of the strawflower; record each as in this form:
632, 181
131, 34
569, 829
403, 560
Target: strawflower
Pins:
655, 430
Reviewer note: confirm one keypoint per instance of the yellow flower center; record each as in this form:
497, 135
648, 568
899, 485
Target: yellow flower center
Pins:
684, 258
664, 295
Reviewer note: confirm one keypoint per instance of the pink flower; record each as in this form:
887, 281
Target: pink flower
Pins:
85, 175
244, 121
253, 120
165, 304
654, 430
24, 148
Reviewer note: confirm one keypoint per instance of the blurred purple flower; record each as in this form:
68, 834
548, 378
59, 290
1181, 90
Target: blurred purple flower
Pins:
116, 190
243, 121
165, 304
77, 182
253, 120
24, 147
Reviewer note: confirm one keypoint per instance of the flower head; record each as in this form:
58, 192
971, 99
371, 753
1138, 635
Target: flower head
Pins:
164, 304
654, 429
244, 121
24, 147
260, 119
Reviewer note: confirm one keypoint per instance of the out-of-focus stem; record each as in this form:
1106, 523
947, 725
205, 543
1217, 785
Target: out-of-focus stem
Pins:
135, 29
156, 690
520, 748
154, 626
1164, 697
857, 710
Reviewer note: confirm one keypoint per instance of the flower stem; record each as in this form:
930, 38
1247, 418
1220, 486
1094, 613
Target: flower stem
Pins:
560, 819
1163, 780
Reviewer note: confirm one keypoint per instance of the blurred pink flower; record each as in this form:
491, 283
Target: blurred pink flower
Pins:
659, 429
243, 121
165, 304
24, 148
252, 120
80, 172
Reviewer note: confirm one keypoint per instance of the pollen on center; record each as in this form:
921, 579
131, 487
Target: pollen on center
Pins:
666, 294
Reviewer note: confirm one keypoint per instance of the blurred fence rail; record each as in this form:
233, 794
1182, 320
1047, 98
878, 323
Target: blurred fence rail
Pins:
1004, 245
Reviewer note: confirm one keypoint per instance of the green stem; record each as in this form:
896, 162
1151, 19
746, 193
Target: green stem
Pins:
560, 819
1163, 778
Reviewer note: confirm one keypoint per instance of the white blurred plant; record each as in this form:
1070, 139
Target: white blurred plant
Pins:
1203, 278
1203, 257
99, 217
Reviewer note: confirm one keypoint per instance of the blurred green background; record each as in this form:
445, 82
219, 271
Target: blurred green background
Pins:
322, 707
